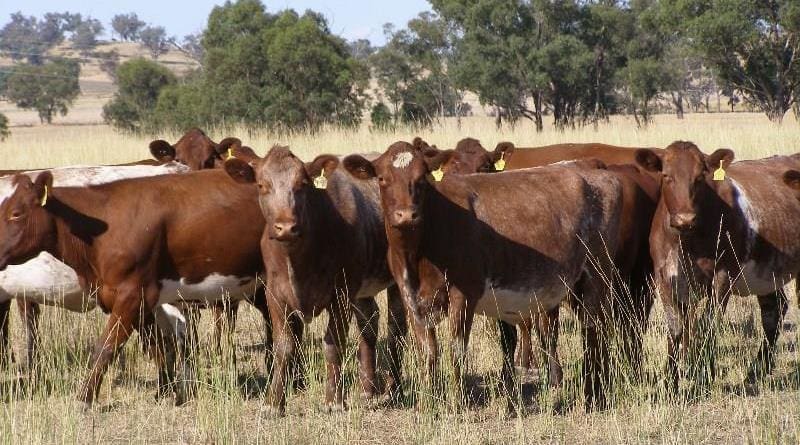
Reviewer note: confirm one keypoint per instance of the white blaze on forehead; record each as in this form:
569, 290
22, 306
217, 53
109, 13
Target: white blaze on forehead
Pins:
402, 159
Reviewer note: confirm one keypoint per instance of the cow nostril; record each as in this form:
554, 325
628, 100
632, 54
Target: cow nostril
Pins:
414, 215
294, 229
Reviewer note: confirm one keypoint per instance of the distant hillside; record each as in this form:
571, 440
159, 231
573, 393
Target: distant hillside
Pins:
96, 86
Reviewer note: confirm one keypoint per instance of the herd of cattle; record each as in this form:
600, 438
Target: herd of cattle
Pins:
511, 234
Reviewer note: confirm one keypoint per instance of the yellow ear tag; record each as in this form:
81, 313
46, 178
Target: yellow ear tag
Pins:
230, 154
719, 174
321, 182
437, 174
44, 198
500, 164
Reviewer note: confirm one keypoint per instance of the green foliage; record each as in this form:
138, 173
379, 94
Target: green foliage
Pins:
127, 26
753, 46
284, 70
4, 131
85, 35
412, 71
642, 80
155, 39
20, 39
49, 89
140, 83
381, 117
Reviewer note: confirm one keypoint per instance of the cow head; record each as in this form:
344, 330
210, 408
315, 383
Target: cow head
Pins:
470, 156
402, 173
194, 149
285, 184
687, 175
25, 226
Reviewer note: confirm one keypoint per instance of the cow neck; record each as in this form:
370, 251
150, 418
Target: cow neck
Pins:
319, 232
716, 206
75, 231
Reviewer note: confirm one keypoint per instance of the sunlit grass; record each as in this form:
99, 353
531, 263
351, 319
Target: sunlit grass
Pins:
229, 406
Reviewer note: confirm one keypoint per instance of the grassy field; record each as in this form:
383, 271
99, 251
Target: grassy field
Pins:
230, 407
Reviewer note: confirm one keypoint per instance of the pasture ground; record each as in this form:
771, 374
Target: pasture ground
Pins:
230, 408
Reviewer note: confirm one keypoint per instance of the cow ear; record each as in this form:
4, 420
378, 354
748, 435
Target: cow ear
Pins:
42, 186
504, 150
721, 158
162, 150
240, 171
359, 167
419, 144
649, 160
435, 158
792, 179
228, 147
322, 165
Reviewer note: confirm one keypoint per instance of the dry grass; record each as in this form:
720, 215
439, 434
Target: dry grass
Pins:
230, 407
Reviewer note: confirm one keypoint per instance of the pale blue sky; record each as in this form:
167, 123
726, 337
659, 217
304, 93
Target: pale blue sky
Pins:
351, 19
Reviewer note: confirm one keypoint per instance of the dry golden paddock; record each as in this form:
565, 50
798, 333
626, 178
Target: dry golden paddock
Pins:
229, 406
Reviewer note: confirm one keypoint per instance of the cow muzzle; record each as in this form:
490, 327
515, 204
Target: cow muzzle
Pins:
285, 231
405, 218
684, 221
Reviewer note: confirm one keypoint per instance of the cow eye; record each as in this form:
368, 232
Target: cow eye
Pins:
15, 215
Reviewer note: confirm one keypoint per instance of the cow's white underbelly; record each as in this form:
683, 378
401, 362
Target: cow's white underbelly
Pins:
213, 288
45, 280
515, 305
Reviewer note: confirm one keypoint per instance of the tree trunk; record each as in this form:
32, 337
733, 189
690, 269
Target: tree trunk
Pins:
677, 100
537, 104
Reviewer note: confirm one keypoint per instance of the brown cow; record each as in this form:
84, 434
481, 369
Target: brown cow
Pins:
640, 193
722, 228
197, 151
42, 278
324, 249
142, 242
466, 245
476, 158
193, 149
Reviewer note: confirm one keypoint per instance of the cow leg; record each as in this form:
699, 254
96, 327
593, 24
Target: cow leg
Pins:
367, 317
30, 315
259, 301
398, 328
124, 316
5, 351
508, 343
176, 328
460, 315
285, 342
773, 309
548, 337
593, 309
333, 346
428, 349
524, 355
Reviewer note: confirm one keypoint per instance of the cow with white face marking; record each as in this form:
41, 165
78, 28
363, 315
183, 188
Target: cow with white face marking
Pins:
505, 245
44, 279
722, 229
140, 242
324, 249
